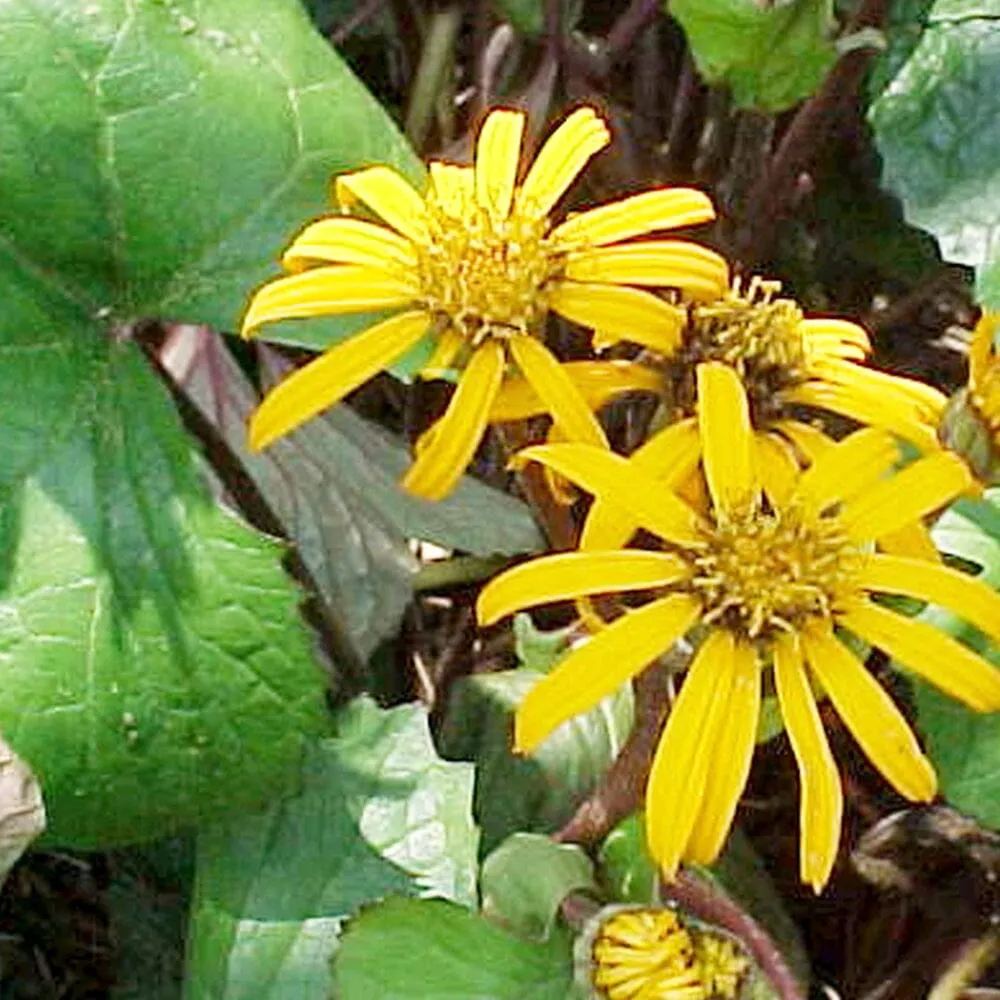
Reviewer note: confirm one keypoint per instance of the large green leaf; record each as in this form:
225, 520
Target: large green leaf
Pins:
936, 129
537, 793
965, 745
379, 813
406, 949
771, 55
332, 485
154, 158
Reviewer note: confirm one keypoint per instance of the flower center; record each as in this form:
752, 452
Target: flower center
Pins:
765, 570
488, 276
651, 955
754, 332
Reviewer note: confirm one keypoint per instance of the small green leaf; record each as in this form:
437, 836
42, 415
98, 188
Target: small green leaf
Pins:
935, 127
526, 878
538, 651
405, 949
378, 813
537, 793
771, 56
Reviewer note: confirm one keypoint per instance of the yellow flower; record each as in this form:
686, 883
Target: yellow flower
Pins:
649, 954
766, 575
476, 265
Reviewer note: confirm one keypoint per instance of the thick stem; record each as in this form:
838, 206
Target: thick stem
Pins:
436, 59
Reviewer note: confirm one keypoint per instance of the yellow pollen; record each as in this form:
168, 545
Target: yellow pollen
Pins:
487, 275
754, 332
762, 571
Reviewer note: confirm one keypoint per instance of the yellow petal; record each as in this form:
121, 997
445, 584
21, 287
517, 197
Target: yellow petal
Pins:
556, 389
626, 313
327, 291
676, 787
327, 379
822, 806
913, 540
778, 465
894, 414
453, 440
454, 187
700, 273
565, 153
670, 457
810, 441
389, 196
869, 713
600, 666
350, 241
727, 448
731, 755
847, 469
567, 575
982, 349
955, 669
649, 212
841, 330
920, 488
498, 154
926, 400
446, 350
611, 477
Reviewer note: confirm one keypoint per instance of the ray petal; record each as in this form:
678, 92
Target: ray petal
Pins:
326, 380
929, 652
565, 153
778, 465
822, 805
869, 713
600, 666
919, 489
727, 446
649, 212
676, 787
611, 477
625, 313
913, 541
452, 441
387, 194
731, 755
498, 155
344, 240
454, 187
568, 575
327, 291
569, 410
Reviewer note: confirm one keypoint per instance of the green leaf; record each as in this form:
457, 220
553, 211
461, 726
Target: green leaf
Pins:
536, 650
526, 878
903, 31
378, 813
332, 485
935, 127
537, 793
625, 864
155, 157
771, 56
965, 745
406, 949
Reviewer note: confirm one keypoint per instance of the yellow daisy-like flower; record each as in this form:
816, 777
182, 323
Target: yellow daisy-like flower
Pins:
766, 577
477, 264
649, 954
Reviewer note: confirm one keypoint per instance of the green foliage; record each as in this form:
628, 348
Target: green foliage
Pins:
333, 488
537, 793
379, 813
435, 950
625, 865
526, 878
154, 160
965, 745
936, 129
771, 56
